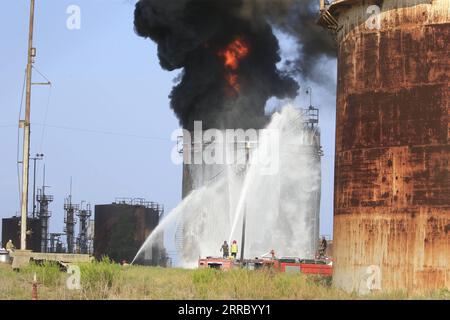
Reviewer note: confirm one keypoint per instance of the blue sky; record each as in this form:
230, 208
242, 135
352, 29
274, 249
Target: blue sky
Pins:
108, 120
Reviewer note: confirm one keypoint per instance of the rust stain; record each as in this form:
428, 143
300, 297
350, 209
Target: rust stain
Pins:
392, 180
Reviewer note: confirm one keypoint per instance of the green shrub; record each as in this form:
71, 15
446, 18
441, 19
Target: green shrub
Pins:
99, 276
324, 281
205, 280
48, 273
441, 294
283, 283
204, 276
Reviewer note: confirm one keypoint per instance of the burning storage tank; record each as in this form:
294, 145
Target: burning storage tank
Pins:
201, 232
230, 66
122, 227
392, 183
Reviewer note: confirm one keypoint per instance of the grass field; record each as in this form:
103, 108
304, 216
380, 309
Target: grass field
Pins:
105, 280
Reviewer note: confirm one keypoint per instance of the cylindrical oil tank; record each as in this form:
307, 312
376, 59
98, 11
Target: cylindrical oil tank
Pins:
392, 183
11, 231
121, 228
209, 224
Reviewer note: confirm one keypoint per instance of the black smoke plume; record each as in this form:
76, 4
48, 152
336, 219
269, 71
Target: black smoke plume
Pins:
298, 18
190, 35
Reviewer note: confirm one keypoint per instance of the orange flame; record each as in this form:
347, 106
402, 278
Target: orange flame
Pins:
232, 80
232, 55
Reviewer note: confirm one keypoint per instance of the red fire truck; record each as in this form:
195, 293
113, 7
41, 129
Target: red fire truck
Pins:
321, 267
307, 266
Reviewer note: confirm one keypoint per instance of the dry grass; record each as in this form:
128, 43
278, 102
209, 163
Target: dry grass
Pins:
105, 280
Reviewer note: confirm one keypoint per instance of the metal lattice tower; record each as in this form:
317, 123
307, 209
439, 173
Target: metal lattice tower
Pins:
55, 238
84, 214
69, 219
44, 216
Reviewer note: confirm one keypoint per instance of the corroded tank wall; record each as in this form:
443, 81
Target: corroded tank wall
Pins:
392, 182
121, 229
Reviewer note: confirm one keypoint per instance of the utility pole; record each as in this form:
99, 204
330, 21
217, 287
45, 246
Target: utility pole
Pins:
26, 135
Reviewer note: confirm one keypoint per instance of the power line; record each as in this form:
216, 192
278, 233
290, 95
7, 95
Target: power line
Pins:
122, 134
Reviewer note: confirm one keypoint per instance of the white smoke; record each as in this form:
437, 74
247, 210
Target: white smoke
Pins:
281, 209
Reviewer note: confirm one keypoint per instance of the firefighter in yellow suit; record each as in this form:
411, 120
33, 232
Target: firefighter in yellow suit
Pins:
234, 249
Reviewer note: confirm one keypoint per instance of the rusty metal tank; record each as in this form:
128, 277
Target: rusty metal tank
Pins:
123, 226
392, 182
11, 230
